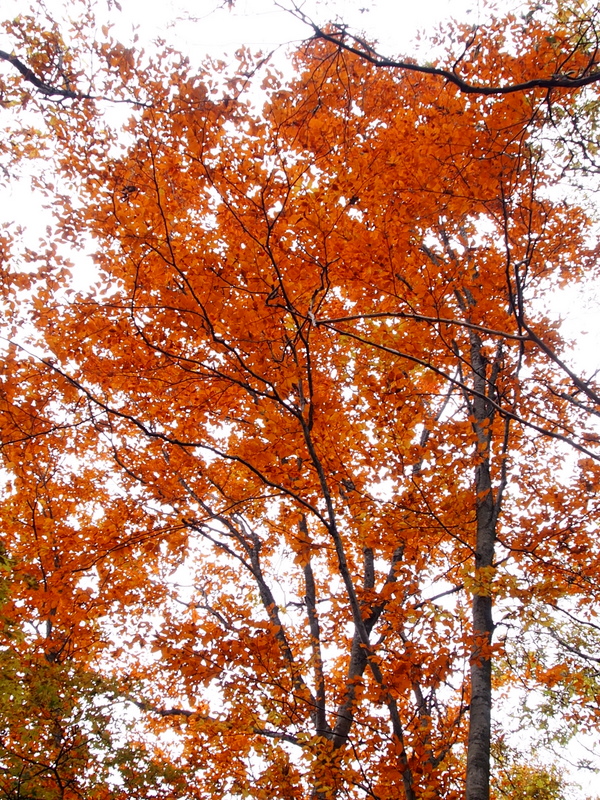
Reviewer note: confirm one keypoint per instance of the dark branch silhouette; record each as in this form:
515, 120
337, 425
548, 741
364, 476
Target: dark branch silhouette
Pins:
44, 88
339, 36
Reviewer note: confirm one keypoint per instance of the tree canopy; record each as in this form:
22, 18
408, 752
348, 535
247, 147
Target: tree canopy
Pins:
301, 488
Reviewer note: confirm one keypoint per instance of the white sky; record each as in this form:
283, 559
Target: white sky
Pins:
210, 27
267, 23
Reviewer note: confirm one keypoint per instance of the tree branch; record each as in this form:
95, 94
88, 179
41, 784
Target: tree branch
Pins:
44, 88
343, 40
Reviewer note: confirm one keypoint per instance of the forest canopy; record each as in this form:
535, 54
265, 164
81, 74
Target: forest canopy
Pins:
300, 489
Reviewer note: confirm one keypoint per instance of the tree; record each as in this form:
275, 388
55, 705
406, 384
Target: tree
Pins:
279, 475
566, 60
57, 720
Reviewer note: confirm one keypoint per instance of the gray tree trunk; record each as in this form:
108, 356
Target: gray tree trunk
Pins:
480, 717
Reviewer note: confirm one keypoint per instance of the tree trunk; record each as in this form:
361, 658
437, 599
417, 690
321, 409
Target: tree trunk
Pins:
480, 717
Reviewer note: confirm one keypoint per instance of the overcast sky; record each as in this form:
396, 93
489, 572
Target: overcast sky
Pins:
267, 23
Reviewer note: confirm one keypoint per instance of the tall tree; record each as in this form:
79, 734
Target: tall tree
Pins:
277, 477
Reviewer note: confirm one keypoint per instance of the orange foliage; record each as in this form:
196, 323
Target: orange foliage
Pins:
272, 475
